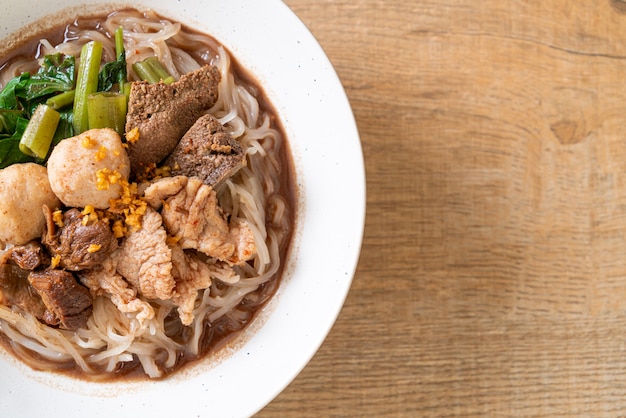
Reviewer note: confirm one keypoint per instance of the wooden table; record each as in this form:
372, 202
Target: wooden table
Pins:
492, 278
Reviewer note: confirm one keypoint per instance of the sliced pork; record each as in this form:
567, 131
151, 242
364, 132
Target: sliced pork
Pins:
192, 274
194, 218
105, 280
145, 260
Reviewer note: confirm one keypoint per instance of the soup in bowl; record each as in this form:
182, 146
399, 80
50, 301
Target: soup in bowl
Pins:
158, 225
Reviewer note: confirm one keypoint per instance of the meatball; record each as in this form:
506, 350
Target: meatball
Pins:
24, 189
87, 169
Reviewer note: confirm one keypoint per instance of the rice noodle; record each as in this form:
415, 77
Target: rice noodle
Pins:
111, 338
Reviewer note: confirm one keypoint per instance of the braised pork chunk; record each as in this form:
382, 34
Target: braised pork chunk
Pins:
68, 304
207, 151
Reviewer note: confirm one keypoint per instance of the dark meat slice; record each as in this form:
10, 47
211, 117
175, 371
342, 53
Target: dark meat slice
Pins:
79, 246
29, 256
15, 290
164, 112
207, 151
68, 304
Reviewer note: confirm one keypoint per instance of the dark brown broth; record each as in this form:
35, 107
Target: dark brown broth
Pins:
223, 331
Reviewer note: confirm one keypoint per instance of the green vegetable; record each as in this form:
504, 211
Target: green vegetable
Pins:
110, 74
61, 100
152, 71
9, 147
10, 107
107, 110
8, 121
21, 96
9, 95
126, 90
39, 132
56, 74
45, 97
119, 41
122, 77
24, 93
86, 83
114, 72
64, 130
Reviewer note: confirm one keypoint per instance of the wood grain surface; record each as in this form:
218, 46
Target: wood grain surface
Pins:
492, 278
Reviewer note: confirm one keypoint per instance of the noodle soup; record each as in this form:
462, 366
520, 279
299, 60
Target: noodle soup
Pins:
138, 322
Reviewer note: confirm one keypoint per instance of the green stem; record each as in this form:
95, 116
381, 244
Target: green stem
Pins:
38, 134
126, 90
119, 51
107, 110
152, 71
61, 100
86, 83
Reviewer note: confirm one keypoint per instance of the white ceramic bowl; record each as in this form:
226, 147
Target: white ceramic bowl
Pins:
270, 41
